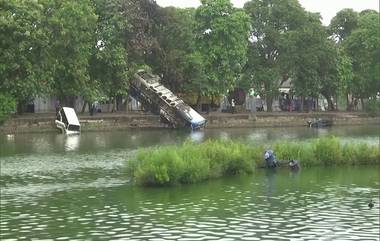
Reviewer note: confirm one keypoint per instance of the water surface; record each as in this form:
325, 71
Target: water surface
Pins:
75, 188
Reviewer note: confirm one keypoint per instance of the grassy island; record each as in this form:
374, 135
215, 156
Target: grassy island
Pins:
194, 162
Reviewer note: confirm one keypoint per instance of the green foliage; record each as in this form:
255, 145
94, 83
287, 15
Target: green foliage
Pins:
141, 16
175, 35
45, 47
190, 162
311, 57
221, 39
345, 74
295, 151
7, 106
108, 62
328, 150
269, 49
373, 107
71, 25
363, 46
342, 25
25, 65
90, 48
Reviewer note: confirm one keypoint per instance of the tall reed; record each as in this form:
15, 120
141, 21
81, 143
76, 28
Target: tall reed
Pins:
195, 162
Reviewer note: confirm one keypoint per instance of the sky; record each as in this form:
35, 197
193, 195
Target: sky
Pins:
327, 8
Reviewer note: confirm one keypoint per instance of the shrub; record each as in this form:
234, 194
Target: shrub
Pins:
190, 162
327, 150
7, 106
373, 107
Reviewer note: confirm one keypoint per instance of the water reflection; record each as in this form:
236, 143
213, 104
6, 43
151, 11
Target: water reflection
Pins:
270, 189
98, 204
90, 142
224, 135
10, 137
197, 136
72, 142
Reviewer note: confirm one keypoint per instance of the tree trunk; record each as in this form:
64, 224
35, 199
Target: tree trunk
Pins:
21, 107
302, 102
269, 100
84, 106
348, 104
362, 102
119, 103
114, 105
330, 104
198, 104
317, 107
109, 104
127, 100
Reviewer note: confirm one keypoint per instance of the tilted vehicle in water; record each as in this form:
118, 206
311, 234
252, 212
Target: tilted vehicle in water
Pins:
67, 121
156, 98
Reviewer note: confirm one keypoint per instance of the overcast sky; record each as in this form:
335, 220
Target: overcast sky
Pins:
327, 8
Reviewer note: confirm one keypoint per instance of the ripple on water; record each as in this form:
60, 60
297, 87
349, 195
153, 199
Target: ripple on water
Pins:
102, 206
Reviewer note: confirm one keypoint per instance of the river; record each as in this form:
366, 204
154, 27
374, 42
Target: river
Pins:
75, 188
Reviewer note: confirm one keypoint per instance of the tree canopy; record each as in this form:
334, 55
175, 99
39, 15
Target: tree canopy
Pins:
221, 43
91, 48
273, 23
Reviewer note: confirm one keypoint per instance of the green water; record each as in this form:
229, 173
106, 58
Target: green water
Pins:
75, 188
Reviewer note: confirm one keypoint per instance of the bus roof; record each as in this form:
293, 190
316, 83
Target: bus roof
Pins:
71, 116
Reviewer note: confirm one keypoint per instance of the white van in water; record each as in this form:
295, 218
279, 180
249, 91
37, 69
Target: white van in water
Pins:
67, 121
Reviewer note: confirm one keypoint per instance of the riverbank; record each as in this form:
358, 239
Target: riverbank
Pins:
44, 122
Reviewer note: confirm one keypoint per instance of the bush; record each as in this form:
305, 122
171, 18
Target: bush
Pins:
7, 106
373, 107
190, 162
296, 151
327, 150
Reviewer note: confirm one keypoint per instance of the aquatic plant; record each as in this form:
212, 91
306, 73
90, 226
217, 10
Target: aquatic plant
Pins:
327, 150
190, 162
195, 162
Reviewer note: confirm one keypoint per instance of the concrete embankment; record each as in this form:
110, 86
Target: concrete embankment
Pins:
118, 121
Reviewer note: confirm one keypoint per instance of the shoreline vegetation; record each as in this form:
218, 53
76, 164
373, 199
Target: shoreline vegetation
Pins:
196, 162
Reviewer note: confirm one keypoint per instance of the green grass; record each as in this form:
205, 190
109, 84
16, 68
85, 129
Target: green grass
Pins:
190, 163
195, 162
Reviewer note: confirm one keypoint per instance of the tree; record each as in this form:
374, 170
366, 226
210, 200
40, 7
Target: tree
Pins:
108, 63
340, 28
333, 71
342, 25
221, 45
25, 66
141, 16
363, 46
7, 106
345, 76
174, 32
313, 60
268, 63
71, 26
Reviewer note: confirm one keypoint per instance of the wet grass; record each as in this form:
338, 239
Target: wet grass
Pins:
195, 162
